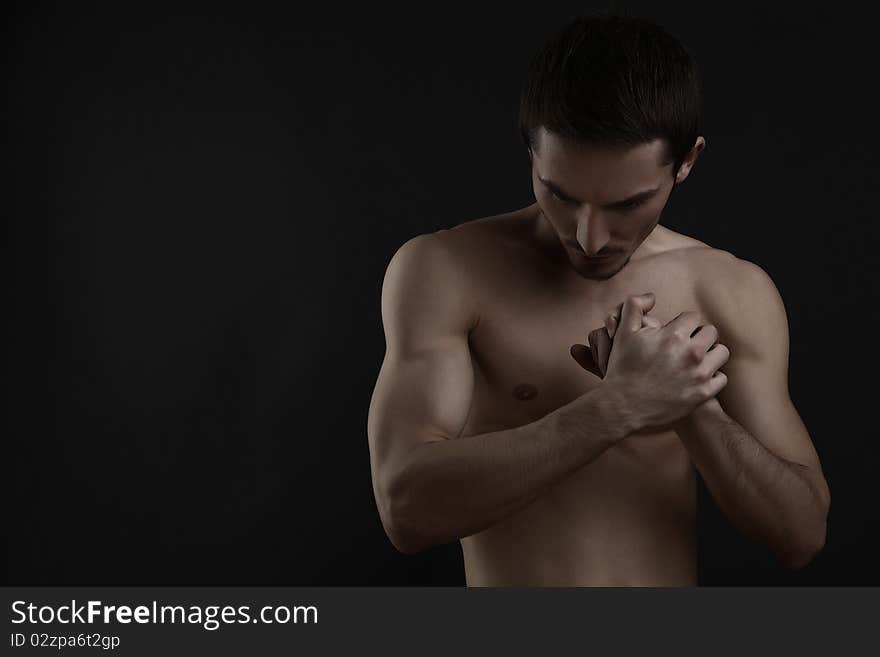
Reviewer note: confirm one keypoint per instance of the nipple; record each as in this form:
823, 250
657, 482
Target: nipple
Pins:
525, 391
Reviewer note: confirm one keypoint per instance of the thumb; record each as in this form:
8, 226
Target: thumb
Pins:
584, 358
633, 310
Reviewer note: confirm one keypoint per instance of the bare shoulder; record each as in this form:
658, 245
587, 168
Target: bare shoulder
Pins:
738, 296
665, 240
718, 271
462, 247
498, 231
427, 279
709, 265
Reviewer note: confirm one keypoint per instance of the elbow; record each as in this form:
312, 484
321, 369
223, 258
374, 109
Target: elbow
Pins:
402, 537
807, 537
797, 560
405, 545
805, 552
399, 521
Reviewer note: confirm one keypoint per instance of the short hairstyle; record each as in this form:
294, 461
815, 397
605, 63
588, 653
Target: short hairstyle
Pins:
609, 79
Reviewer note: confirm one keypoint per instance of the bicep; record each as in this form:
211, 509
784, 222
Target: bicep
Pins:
418, 398
424, 387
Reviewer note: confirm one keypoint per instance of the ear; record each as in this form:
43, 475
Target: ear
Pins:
690, 159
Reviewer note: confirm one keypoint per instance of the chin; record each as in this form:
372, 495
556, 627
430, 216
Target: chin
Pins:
593, 276
597, 273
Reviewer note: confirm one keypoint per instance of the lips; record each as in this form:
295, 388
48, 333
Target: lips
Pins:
592, 258
580, 251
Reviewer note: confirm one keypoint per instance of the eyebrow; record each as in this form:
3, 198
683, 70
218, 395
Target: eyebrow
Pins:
638, 196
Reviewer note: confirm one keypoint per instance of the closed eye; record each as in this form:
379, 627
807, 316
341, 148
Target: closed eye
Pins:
621, 208
630, 205
559, 198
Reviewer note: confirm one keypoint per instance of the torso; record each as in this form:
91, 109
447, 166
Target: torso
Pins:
625, 518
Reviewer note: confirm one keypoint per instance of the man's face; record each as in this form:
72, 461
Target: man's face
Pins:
601, 202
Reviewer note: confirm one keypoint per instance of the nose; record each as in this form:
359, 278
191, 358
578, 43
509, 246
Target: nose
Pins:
592, 235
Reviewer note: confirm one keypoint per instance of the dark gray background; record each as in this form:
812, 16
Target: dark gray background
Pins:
202, 203
512, 621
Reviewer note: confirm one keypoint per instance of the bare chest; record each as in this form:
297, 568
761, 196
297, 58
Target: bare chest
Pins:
523, 368
640, 493
520, 349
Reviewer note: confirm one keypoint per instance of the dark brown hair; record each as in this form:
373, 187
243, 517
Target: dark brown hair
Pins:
613, 80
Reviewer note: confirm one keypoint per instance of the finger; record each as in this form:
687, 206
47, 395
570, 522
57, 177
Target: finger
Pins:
584, 358
706, 336
633, 310
612, 321
603, 349
684, 323
716, 383
715, 358
594, 352
611, 325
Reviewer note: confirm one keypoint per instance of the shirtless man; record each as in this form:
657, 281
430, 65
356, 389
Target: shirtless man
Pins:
550, 411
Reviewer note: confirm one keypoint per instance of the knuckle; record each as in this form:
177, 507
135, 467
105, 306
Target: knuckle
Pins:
694, 395
683, 339
714, 384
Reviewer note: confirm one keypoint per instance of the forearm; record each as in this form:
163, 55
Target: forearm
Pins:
763, 496
449, 489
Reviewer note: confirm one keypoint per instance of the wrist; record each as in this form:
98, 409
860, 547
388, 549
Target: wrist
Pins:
706, 410
620, 412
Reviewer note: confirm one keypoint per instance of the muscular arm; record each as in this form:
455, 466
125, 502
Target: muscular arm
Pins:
432, 487
749, 443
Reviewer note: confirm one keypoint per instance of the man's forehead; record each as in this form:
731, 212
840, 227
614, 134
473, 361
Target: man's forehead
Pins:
569, 165
551, 147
